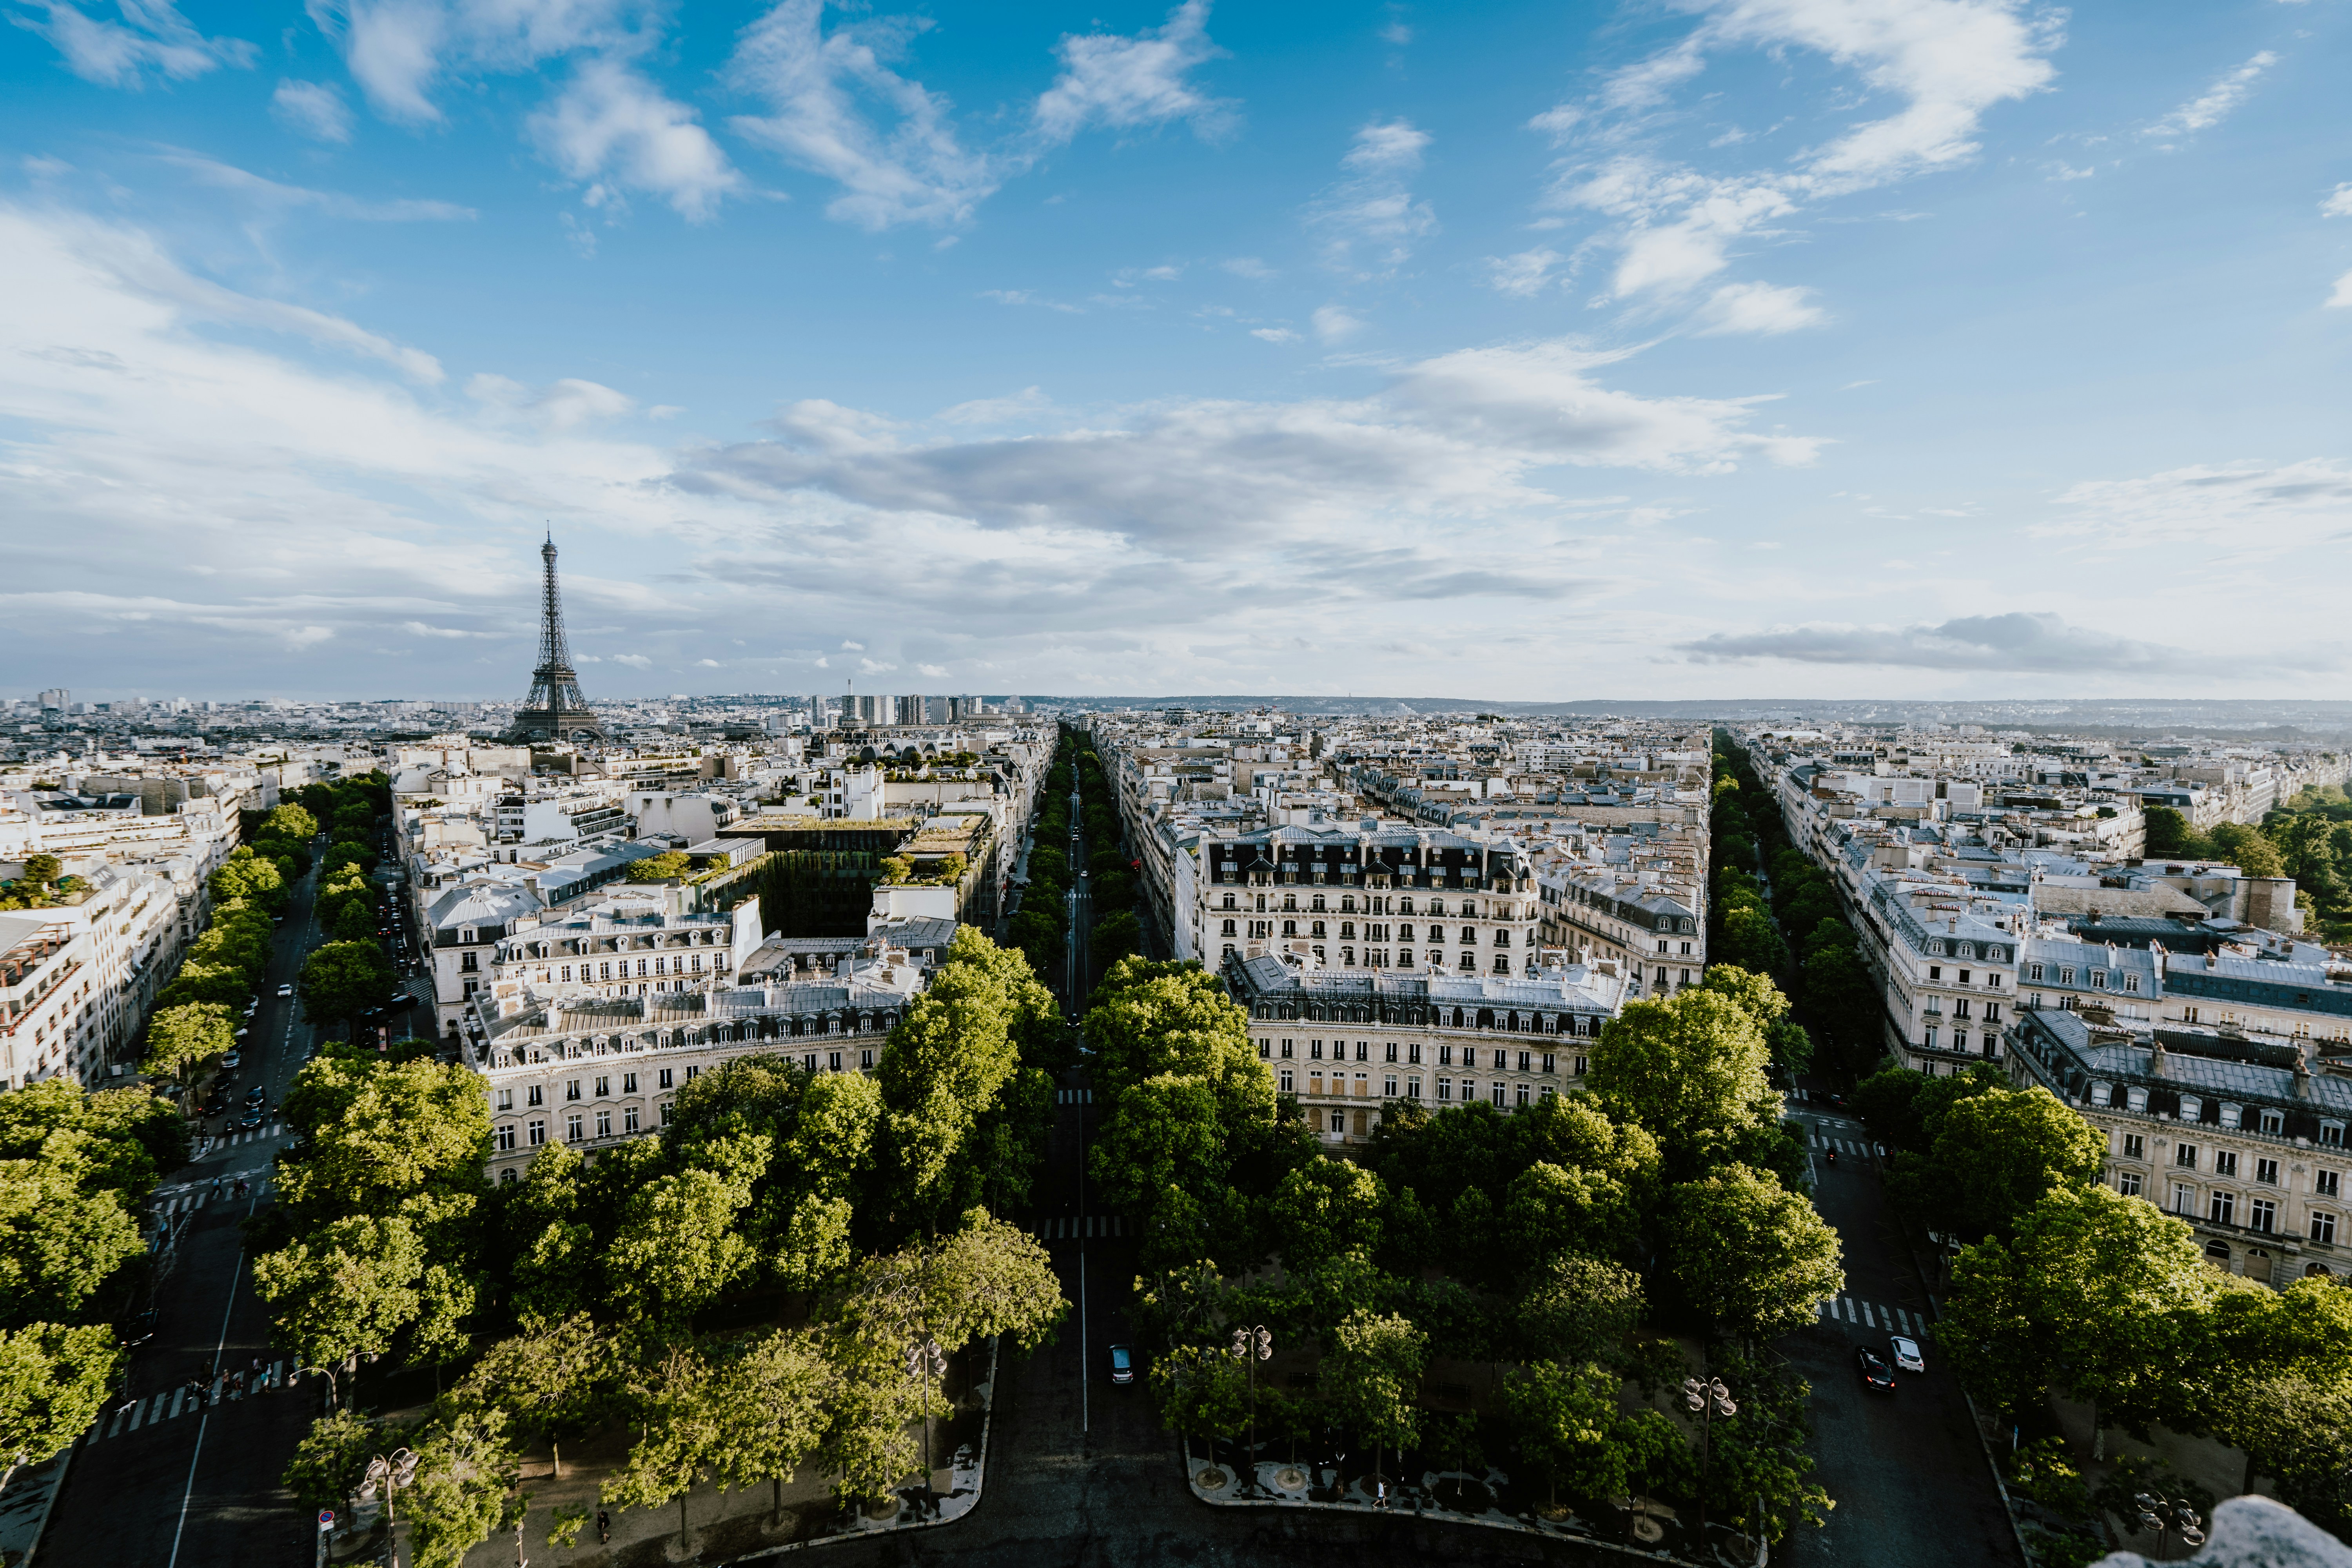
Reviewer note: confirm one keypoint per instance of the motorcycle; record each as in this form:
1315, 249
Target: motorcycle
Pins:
1833, 1157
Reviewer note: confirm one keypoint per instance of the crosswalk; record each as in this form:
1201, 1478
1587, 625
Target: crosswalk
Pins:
1870, 1315
1860, 1147
1074, 1097
174, 1402
1081, 1227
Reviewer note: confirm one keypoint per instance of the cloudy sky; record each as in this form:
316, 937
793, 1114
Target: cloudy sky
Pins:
1673, 347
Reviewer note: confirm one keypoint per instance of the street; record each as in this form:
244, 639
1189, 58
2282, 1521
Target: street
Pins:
170, 1484
1911, 1481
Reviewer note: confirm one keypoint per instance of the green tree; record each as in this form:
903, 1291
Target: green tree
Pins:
1570, 1423
1200, 1391
1323, 1210
466, 1471
289, 821
2247, 849
245, 875
1372, 1375
62, 1232
555, 1380
333, 1457
348, 1292
2169, 836
1579, 1309
353, 922
43, 871
53, 1383
676, 1249
2099, 1293
1553, 1210
1991, 1157
669, 866
1748, 1255
1691, 1071
180, 1037
343, 982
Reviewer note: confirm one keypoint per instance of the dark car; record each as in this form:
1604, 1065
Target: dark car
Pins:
136, 1330
1122, 1364
253, 1120
1876, 1374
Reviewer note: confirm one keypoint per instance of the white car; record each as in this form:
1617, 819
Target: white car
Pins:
286, 991
1906, 1353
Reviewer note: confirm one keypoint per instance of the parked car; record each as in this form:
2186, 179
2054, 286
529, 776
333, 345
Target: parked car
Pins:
1122, 1364
1906, 1354
1876, 1375
286, 991
235, 1058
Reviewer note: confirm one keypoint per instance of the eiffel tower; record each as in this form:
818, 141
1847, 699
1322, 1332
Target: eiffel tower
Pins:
554, 710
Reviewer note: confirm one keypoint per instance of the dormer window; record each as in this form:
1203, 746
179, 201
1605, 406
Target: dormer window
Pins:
467, 934
2229, 1114
2191, 1108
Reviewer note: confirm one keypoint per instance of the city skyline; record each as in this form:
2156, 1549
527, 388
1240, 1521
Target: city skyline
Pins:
1946, 348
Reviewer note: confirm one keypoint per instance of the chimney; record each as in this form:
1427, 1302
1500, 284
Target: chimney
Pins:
2303, 1071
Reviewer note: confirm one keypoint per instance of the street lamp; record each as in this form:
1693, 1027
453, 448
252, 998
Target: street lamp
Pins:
294, 1378
1251, 1346
927, 1361
2163, 1516
1706, 1401
390, 1472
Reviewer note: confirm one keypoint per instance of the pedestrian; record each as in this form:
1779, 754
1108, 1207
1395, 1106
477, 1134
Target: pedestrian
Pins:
604, 1526
1382, 1499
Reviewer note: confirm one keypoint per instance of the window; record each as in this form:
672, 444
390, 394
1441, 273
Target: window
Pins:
2223, 1208
1497, 1093
2184, 1198
1338, 1121
2328, 1183
1445, 1089
1265, 1050
2323, 1229
2191, 1108
2033, 973
1412, 1053
1550, 1062
2266, 1172
571, 1088
2127, 1184
1525, 1059
1289, 1084
534, 1094
572, 1129
1445, 1055
628, 1119
604, 1086
668, 1078
2229, 1114
2262, 1214
1501, 1061
1388, 1086
1412, 1086
2135, 1146
1391, 1056
506, 1099
2185, 1157
628, 1083
1286, 1050
603, 1124
1314, 1050
668, 1113
2331, 1134
1520, 1094
1581, 1064
505, 1137
536, 1134
2225, 1163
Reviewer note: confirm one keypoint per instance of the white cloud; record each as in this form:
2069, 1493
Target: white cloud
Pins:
853, 646
917, 171
2339, 202
151, 40
1759, 308
1525, 275
707, 664
1334, 325
271, 194
2342, 296
2257, 508
1370, 216
1387, 145
871, 668
2214, 105
633, 660
313, 108
1023, 297
612, 124
2019, 641
1945, 62
301, 637
1248, 266
1275, 334
1025, 403
1124, 83
564, 405
935, 671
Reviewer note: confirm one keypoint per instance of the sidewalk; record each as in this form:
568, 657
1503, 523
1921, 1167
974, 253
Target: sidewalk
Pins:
24, 1507
758, 1525
1458, 1497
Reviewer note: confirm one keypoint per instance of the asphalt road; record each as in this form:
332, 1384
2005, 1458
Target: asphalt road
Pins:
201, 1490
1911, 1481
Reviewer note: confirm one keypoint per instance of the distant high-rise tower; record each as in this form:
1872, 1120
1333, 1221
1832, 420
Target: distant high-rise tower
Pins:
554, 710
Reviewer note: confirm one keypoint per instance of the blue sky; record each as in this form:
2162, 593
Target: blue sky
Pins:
1714, 347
